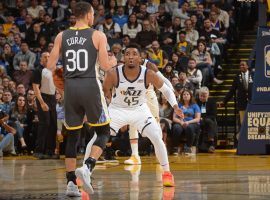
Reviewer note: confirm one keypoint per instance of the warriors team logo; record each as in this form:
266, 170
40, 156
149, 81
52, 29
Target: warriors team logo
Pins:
267, 61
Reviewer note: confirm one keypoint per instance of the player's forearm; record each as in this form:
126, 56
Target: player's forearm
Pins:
166, 81
38, 94
169, 95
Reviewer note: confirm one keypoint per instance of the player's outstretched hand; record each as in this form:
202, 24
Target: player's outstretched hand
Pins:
178, 112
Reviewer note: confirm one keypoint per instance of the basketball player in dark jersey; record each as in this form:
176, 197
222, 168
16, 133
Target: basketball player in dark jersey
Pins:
80, 47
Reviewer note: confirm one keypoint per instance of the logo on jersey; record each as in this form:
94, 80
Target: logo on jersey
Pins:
131, 91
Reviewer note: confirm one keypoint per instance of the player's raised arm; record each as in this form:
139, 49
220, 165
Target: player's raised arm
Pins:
54, 55
106, 61
110, 81
154, 79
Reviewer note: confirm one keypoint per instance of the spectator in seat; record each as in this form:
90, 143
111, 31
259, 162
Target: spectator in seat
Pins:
176, 24
142, 14
157, 56
120, 18
26, 55
154, 23
223, 16
5, 80
111, 29
34, 9
182, 13
48, 28
216, 23
57, 12
146, 36
71, 20
168, 72
183, 47
132, 27
194, 75
32, 38
6, 136
162, 16
184, 83
12, 87
16, 47
189, 126
9, 22
18, 116
208, 122
207, 31
99, 16
132, 7
23, 75
7, 57
7, 104
152, 7
175, 80
27, 26
192, 35
116, 50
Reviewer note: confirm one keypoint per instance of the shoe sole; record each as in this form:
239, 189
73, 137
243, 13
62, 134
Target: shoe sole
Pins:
128, 163
168, 184
72, 194
88, 189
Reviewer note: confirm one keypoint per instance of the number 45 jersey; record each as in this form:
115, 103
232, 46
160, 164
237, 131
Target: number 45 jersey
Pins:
79, 54
130, 93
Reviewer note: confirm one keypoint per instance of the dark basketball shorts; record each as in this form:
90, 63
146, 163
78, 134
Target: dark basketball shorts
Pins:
83, 97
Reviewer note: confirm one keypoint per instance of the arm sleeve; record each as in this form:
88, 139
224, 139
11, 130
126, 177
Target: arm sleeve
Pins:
169, 95
166, 81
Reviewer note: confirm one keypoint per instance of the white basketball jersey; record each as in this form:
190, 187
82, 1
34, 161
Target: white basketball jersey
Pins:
130, 94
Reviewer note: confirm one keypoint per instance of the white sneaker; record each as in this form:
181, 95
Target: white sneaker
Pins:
84, 174
133, 160
72, 190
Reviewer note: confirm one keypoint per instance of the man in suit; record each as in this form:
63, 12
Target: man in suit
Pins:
208, 122
242, 87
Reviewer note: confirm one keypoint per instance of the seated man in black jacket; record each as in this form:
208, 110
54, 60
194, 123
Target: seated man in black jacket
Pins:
208, 117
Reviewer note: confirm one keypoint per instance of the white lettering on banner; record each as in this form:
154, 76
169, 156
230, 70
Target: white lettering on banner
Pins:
258, 125
263, 89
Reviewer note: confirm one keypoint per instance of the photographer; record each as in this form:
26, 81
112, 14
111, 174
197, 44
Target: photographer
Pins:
7, 133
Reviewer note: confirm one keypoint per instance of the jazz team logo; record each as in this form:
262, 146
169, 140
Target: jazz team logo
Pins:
267, 61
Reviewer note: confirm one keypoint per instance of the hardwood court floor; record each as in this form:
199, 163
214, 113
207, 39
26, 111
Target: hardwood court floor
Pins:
218, 176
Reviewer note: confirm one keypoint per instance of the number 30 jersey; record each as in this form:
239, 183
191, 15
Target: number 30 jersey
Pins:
130, 94
79, 54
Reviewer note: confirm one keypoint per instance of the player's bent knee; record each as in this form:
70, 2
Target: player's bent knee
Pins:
71, 145
103, 136
152, 131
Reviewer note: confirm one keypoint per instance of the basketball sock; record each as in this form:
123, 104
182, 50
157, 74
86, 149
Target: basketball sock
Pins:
90, 163
71, 177
134, 149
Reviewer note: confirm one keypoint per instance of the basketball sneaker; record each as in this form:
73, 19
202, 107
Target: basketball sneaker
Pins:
168, 180
84, 174
133, 160
72, 190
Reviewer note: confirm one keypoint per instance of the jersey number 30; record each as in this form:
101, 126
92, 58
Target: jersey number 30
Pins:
74, 59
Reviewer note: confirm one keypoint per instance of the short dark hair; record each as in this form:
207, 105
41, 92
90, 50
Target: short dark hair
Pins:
81, 9
135, 46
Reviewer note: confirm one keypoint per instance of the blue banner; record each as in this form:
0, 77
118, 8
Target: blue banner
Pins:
261, 85
255, 130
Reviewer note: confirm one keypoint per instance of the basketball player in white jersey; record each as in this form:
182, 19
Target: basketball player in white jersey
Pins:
152, 103
128, 103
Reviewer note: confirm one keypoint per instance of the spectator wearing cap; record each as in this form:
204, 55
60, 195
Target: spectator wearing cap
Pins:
157, 56
26, 55
182, 13
120, 18
23, 75
110, 28
132, 27
34, 9
57, 12
146, 36
183, 47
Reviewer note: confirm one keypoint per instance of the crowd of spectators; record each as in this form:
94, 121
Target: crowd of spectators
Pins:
187, 40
